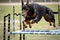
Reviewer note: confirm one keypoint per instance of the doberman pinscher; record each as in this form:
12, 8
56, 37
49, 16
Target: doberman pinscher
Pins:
34, 12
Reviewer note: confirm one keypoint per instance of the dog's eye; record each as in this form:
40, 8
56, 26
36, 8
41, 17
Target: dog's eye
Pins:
27, 9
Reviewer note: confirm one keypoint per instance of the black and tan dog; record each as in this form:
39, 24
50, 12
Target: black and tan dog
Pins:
34, 12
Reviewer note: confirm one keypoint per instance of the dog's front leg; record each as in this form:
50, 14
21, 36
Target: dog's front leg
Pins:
24, 24
30, 22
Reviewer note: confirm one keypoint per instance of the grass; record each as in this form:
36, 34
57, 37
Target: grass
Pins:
42, 25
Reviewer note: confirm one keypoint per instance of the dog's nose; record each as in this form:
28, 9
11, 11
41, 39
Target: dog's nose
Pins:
22, 14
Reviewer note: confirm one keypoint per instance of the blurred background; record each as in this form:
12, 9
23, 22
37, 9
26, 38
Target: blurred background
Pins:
18, 1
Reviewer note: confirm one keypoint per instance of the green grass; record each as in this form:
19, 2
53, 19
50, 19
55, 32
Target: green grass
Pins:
4, 10
53, 7
42, 25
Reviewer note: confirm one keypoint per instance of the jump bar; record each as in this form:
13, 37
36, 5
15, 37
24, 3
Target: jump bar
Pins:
45, 32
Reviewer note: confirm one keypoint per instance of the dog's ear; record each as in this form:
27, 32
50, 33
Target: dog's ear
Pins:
27, 3
22, 3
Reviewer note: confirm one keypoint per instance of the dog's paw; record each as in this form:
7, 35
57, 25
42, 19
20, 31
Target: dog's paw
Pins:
30, 26
50, 24
24, 26
54, 26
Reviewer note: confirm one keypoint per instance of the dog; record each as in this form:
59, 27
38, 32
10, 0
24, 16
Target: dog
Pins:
34, 12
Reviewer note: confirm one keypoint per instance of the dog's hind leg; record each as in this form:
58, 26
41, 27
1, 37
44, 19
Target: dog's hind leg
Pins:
54, 24
50, 22
53, 21
46, 17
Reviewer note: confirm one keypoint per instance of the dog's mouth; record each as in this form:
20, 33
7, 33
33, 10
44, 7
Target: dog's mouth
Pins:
24, 13
25, 16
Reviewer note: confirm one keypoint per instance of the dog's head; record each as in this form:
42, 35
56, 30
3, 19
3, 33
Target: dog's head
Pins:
25, 9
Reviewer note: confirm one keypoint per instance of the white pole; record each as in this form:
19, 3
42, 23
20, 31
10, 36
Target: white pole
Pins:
46, 32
